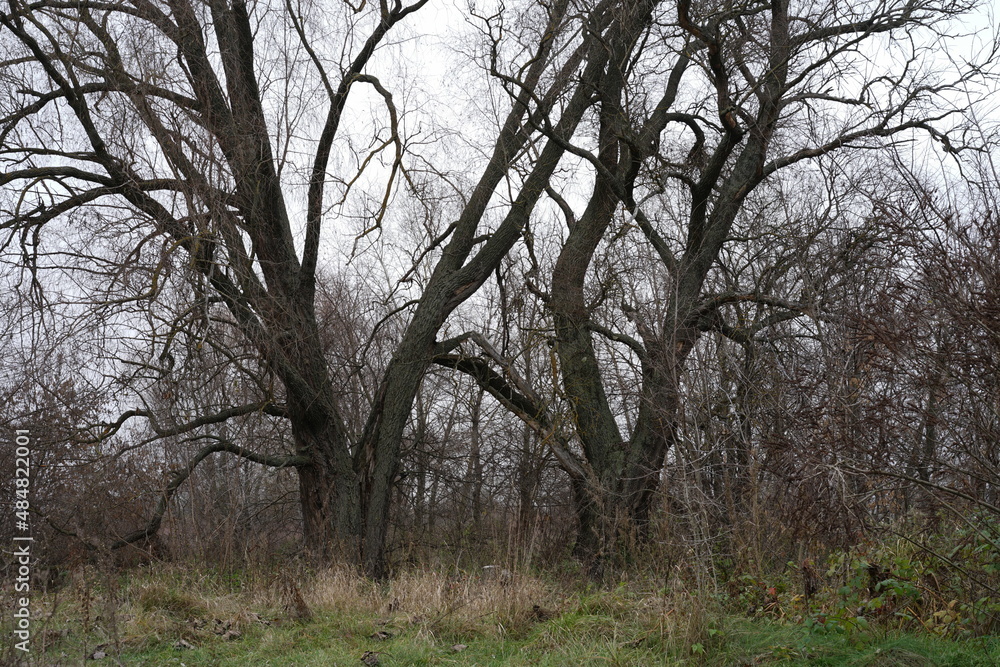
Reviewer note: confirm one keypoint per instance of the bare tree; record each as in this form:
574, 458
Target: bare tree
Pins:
696, 111
157, 136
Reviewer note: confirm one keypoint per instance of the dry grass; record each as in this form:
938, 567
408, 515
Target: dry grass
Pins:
437, 602
463, 603
144, 607
336, 616
179, 602
338, 589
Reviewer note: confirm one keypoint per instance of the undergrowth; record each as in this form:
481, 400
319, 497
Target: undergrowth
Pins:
895, 602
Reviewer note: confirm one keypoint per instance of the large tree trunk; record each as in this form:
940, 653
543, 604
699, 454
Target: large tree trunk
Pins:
603, 446
592, 540
316, 498
615, 515
330, 500
377, 462
328, 485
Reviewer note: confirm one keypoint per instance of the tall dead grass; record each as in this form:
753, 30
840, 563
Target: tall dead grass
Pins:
440, 602
177, 603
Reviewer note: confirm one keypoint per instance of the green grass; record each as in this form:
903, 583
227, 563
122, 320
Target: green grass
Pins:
572, 640
765, 643
140, 618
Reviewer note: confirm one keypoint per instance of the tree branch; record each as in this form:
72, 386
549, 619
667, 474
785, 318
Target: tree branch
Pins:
338, 101
523, 407
110, 429
178, 477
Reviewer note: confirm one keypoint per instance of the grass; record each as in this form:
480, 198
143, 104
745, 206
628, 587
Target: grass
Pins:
186, 616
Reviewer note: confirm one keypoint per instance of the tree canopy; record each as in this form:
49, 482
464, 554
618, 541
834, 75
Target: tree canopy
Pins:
623, 190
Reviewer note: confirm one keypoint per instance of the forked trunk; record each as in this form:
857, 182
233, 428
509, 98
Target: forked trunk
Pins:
615, 516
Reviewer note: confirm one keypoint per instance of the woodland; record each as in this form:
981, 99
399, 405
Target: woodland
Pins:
708, 288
